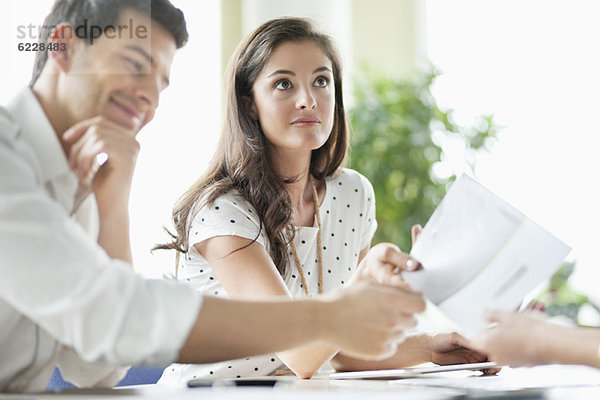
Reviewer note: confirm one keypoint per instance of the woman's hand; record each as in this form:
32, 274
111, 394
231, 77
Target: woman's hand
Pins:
385, 261
453, 348
415, 232
383, 264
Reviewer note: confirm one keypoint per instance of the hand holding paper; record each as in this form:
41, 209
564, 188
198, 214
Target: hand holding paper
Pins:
479, 253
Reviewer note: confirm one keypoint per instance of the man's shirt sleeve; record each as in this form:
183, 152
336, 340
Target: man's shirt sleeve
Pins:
57, 276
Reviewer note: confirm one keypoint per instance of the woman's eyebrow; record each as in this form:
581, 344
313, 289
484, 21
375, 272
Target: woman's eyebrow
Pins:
281, 71
288, 72
321, 69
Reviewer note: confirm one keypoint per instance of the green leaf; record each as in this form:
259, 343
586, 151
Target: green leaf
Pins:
392, 145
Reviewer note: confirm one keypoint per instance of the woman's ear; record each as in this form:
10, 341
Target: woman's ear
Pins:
61, 46
250, 107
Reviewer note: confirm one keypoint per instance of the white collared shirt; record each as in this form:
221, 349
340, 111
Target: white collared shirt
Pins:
63, 301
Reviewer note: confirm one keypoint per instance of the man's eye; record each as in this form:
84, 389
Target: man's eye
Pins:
283, 85
321, 81
137, 66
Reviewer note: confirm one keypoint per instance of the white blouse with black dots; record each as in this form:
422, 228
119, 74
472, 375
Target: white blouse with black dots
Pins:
348, 224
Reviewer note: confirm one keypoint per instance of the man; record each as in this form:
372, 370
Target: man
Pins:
68, 295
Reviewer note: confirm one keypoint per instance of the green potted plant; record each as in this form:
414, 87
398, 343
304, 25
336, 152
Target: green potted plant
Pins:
395, 123
393, 143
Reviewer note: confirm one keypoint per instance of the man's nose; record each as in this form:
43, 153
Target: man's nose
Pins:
148, 92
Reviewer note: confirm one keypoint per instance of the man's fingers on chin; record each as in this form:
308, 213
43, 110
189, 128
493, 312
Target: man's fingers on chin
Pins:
78, 130
87, 176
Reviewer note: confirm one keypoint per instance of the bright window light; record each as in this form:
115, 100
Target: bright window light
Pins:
534, 64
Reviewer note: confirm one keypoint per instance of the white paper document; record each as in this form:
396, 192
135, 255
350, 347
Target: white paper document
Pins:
479, 253
411, 372
514, 379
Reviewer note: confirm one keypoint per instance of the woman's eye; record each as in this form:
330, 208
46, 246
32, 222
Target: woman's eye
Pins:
321, 81
283, 85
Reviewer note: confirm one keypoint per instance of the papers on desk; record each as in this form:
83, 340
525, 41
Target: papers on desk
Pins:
513, 379
480, 253
411, 372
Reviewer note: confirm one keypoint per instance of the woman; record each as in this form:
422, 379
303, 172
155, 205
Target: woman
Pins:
276, 214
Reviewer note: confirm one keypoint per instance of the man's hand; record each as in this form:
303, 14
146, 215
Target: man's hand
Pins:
111, 183
368, 319
97, 135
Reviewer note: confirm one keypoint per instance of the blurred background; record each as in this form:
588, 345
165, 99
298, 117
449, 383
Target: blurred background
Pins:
504, 90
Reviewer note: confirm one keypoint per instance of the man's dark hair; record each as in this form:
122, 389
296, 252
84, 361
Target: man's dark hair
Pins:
105, 13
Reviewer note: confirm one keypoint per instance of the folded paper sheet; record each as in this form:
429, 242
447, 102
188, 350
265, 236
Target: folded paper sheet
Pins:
480, 253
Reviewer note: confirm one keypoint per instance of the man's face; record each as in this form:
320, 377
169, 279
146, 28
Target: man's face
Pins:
119, 77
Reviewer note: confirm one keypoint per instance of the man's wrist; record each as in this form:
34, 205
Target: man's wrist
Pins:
113, 184
427, 347
112, 199
116, 209
422, 345
323, 315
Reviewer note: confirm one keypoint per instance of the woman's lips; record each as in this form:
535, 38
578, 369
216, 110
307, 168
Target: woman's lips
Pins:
305, 122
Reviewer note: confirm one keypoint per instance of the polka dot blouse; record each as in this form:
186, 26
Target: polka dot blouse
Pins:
348, 225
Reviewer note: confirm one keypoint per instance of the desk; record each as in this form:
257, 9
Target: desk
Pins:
320, 388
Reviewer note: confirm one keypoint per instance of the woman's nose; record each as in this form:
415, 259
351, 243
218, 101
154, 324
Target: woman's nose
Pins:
306, 100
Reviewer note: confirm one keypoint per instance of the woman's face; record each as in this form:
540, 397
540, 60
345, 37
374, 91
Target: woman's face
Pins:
294, 97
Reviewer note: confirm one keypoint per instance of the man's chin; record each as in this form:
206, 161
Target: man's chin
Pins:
121, 120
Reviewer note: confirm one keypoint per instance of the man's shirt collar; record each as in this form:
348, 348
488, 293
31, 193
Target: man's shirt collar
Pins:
36, 129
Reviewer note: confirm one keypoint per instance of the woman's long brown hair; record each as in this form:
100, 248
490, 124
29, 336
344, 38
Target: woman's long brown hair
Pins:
242, 160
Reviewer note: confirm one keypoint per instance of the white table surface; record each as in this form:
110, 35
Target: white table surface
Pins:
559, 383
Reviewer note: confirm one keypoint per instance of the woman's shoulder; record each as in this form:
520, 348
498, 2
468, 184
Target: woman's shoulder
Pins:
350, 179
231, 199
229, 214
226, 206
